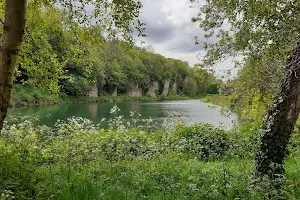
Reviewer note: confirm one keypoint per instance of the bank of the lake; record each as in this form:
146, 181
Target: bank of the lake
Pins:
76, 160
251, 112
26, 95
220, 100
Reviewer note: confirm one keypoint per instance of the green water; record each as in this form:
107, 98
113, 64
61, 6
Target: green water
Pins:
187, 111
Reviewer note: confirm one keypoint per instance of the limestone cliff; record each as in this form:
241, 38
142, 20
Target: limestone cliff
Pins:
185, 83
134, 90
115, 92
154, 87
166, 89
174, 88
93, 92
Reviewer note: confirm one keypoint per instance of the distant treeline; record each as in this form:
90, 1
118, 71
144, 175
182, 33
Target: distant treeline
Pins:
76, 60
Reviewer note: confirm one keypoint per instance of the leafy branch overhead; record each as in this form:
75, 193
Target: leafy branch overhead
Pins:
249, 28
264, 33
117, 18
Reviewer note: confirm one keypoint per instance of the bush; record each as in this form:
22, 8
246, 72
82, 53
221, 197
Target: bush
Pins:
76, 86
29, 94
204, 141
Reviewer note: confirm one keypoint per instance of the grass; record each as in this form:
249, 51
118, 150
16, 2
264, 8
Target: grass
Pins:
165, 177
120, 98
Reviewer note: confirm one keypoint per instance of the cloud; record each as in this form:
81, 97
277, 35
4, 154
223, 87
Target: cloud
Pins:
159, 28
171, 32
184, 39
168, 25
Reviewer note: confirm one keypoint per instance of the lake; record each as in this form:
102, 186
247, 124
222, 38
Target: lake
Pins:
187, 111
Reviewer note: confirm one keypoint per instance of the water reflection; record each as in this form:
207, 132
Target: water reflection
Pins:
187, 111
93, 110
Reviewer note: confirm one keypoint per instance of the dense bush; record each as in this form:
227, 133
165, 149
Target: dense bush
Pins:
204, 141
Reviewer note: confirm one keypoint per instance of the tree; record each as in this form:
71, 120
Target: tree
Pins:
254, 29
117, 17
253, 88
80, 60
206, 81
11, 38
41, 51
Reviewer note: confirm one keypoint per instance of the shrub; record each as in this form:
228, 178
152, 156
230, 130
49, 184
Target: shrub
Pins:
204, 141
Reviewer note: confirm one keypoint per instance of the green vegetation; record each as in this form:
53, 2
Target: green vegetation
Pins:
220, 100
81, 62
23, 95
76, 160
251, 92
65, 58
58, 65
265, 35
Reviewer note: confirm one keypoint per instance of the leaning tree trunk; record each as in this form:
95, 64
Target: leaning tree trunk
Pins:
280, 121
11, 38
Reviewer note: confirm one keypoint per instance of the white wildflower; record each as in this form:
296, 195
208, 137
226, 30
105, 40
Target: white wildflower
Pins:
270, 42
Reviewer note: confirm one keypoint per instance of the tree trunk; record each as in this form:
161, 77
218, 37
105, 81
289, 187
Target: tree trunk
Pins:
280, 121
13, 31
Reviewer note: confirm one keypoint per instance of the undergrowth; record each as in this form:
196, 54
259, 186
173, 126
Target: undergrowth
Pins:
76, 159
24, 95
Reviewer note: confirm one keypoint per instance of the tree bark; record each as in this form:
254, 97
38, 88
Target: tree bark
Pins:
13, 32
280, 120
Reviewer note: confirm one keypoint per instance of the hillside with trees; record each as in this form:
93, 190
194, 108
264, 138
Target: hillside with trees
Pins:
81, 62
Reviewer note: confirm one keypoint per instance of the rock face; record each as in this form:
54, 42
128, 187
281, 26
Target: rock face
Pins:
185, 83
134, 90
93, 92
174, 88
115, 92
166, 89
153, 88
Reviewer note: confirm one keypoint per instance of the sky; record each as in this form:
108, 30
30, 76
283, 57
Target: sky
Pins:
171, 33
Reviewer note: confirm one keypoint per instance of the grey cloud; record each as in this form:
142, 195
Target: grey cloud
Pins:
159, 31
170, 30
184, 41
185, 46
158, 27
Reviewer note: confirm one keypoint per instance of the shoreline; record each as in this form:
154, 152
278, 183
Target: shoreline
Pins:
103, 99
